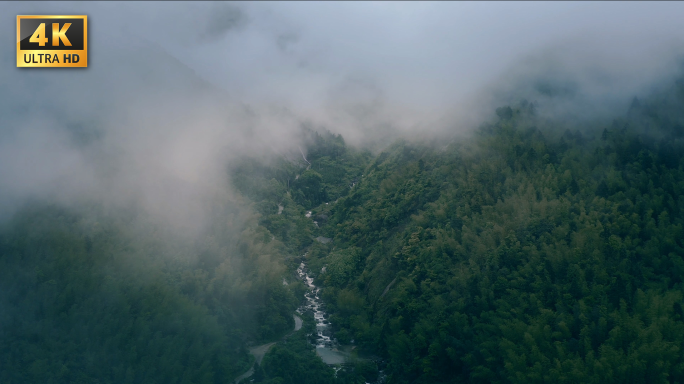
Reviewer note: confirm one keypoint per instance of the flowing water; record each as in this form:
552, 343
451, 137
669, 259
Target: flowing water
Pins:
326, 347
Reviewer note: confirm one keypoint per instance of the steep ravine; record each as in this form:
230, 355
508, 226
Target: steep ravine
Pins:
326, 347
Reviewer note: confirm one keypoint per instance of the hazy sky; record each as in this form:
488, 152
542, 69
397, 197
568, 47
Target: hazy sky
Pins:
359, 68
415, 54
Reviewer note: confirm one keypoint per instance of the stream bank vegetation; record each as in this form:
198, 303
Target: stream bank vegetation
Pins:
534, 250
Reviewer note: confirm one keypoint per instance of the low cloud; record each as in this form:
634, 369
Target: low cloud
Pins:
176, 91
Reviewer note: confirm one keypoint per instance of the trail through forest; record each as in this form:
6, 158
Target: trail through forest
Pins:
260, 350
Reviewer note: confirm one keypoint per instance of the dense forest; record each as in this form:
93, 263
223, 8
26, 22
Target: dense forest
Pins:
533, 250
90, 296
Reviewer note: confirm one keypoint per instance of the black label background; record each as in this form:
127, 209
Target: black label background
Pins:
74, 34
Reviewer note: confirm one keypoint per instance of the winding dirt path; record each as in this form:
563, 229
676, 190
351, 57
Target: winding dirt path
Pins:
260, 350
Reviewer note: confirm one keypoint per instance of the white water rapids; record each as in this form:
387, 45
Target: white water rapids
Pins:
326, 347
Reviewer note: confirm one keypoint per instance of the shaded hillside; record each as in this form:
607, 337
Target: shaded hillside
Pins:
93, 296
529, 252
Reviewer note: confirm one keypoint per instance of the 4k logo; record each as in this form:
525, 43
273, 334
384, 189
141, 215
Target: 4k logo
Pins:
52, 41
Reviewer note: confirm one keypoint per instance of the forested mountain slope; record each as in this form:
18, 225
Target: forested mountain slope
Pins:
94, 296
533, 251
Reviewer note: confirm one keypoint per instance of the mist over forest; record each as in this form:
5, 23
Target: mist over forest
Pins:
483, 192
